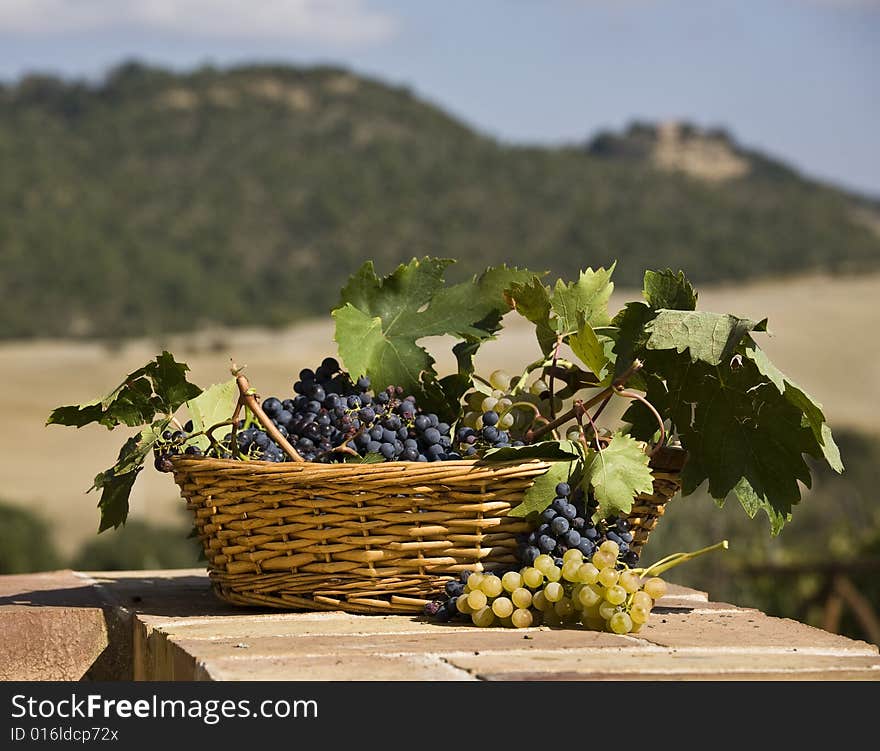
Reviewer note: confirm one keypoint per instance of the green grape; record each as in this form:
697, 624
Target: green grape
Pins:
473, 581
554, 574
477, 599
610, 549
607, 609
600, 560
512, 580
500, 380
488, 404
491, 585
620, 623
521, 597
553, 591
470, 419
502, 607
573, 554
506, 421
642, 600
533, 577
484, 617
564, 609
521, 618
588, 573
629, 581
615, 594
544, 563
608, 576
504, 404
639, 614
540, 601
570, 570
655, 587
538, 387
589, 596
461, 604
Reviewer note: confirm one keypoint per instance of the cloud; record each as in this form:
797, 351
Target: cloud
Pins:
335, 21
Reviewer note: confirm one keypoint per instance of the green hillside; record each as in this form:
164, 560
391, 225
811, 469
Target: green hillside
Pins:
157, 201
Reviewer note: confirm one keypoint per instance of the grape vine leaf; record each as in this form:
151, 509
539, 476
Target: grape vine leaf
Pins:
711, 337
585, 300
617, 474
593, 350
214, 405
532, 301
380, 320
116, 483
542, 491
747, 439
811, 409
159, 385
666, 289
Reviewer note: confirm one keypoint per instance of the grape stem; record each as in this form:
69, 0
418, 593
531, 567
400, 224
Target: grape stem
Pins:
250, 401
664, 564
559, 339
605, 393
653, 410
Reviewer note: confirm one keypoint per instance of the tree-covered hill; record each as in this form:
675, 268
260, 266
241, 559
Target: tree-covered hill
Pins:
155, 201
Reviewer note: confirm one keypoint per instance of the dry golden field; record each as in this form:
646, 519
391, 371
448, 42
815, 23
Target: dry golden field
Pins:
823, 334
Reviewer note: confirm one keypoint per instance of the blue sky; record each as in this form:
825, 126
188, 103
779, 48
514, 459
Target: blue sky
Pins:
799, 79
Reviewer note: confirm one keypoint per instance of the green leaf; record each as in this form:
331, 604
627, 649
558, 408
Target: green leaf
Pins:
380, 321
810, 408
590, 349
631, 336
214, 405
158, 385
532, 301
666, 289
543, 490
547, 450
583, 301
618, 474
748, 439
710, 337
116, 483
170, 384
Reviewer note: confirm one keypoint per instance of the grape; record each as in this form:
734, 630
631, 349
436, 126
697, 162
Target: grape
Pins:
573, 555
490, 418
538, 387
476, 599
643, 600
615, 594
502, 607
540, 601
554, 573
484, 617
521, 597
553, 591
629, 581
563, 490
608, 576
589, 596
654, 587
500, 380
620, 623
521, 618
607, 609
544, 563
532, 577
474, 580
491, 585
564, 609
639, 614
511, 581
588, 573
570, 570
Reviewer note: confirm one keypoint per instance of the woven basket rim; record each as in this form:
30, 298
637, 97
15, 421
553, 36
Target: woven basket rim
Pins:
667, 458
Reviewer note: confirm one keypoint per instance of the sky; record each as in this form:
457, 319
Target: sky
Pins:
798, 79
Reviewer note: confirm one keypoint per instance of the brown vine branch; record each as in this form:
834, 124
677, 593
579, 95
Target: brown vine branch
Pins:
552, 374
250, 401
605, 393
653, 410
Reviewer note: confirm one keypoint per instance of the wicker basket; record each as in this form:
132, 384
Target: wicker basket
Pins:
374, 538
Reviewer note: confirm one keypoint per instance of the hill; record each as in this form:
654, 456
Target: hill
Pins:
156, 201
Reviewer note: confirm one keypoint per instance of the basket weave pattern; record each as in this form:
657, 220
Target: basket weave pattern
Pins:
374, 538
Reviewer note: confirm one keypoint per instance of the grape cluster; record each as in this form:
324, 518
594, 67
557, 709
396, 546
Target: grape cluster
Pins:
587, 590
567, 523
490, 435
173, 442
331, 416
